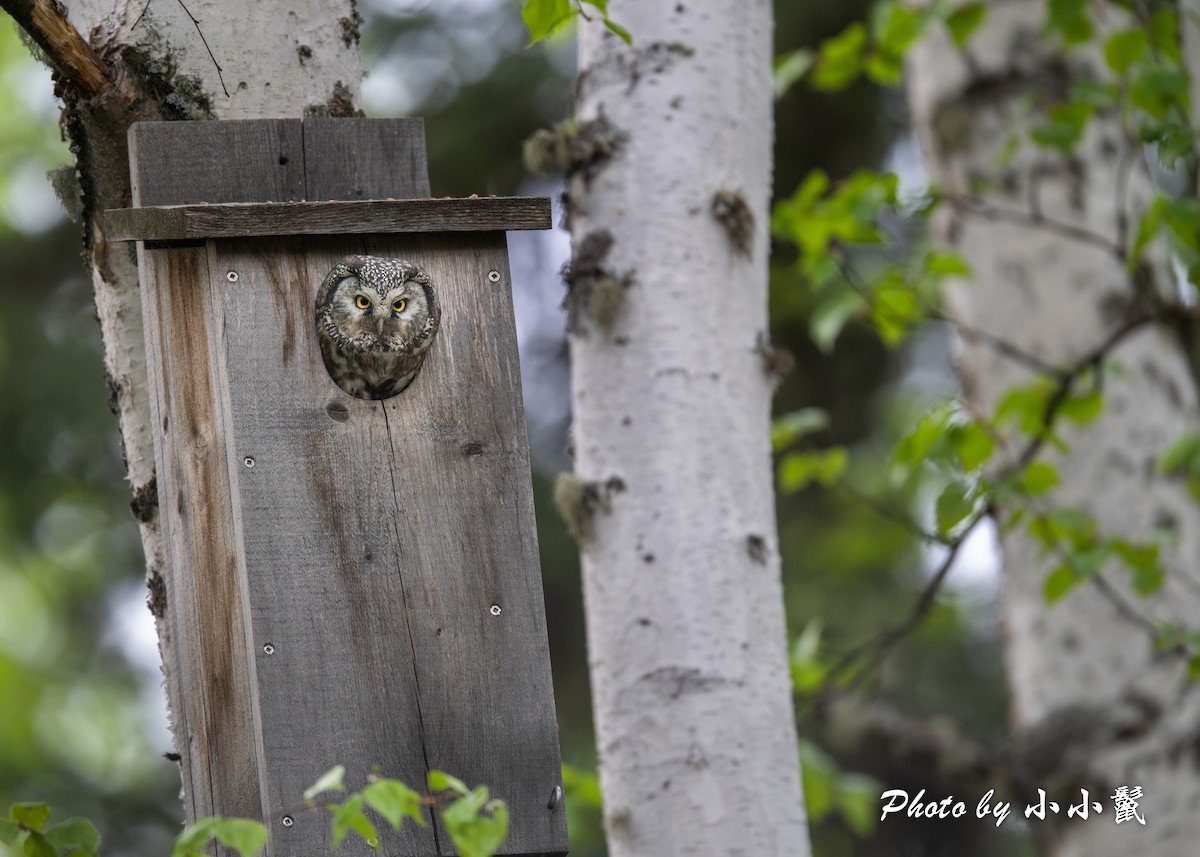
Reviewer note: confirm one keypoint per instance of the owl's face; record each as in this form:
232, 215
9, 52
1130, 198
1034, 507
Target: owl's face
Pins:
380, 305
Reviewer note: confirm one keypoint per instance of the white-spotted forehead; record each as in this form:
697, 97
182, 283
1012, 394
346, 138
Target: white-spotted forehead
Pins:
387, 274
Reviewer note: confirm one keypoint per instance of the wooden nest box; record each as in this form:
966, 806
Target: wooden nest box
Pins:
347, 581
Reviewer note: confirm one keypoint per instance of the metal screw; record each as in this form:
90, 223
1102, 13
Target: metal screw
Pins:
287, 821
269, 649
495, 610
248, 461
494, 276
555, 798
232, 276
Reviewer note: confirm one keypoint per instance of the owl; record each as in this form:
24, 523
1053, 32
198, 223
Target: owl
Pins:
376, 319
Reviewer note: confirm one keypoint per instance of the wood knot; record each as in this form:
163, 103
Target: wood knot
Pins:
337, 411
471, 448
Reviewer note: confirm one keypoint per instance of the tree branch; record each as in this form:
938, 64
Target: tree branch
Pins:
66, 50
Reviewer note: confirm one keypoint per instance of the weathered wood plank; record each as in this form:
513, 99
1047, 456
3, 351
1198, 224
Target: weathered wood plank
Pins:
320, 529
469, 543
383, 216
365, 159
248, 160
380, 535
205, 603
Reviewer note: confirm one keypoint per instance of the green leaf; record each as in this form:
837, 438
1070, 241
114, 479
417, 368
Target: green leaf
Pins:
440, 781
972, 443
1024, 407
31, 816
475, 824
1071, 18
347, 817
790, 68
1066, 127
1183, 455
789, 428
840, 59
620, 31
1098, 95
807, 672
1082, 409
37, 846
241, 834
1148, 225
9, 831
857, 803
1061, 581
827, 319
544, 17
1143, 561
394, 801
582, 787
1157, 89
194, 838
75, 833
1038, 478
1193, 668
798, 470
941, 262
819, 775
1124, 48
1164, 34
330, 781
954, 504
962, 23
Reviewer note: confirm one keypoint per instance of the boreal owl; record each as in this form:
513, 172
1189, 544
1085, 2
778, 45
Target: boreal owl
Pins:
376, 319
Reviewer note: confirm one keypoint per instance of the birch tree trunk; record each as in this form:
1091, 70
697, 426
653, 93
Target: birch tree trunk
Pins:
673, 497
1097, 707
121, 61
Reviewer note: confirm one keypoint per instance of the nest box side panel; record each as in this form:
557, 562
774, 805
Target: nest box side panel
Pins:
203, 601
390, 546
334, 660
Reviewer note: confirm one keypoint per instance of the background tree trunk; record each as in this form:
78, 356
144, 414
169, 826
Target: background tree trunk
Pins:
673, 499
161, 60
1098, 706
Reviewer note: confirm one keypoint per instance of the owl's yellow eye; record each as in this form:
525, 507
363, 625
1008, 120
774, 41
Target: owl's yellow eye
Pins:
398, 306
362, 302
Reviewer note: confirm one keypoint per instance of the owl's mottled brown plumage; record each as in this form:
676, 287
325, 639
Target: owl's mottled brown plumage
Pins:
376, 319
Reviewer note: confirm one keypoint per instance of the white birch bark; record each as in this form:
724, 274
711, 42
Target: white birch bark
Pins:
1085, 680
276, 59
694, 720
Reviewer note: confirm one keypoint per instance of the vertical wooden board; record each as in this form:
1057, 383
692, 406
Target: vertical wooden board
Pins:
204, 602
468, 543
317, 513
242, 160
365, 159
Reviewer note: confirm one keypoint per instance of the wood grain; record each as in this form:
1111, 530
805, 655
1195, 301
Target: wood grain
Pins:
230, 160
191, 222
367, 159
206, 608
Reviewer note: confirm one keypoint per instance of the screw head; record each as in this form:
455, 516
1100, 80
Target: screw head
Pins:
248, 461
493, 276
269, 649
232, 276
495, 610
287, 821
